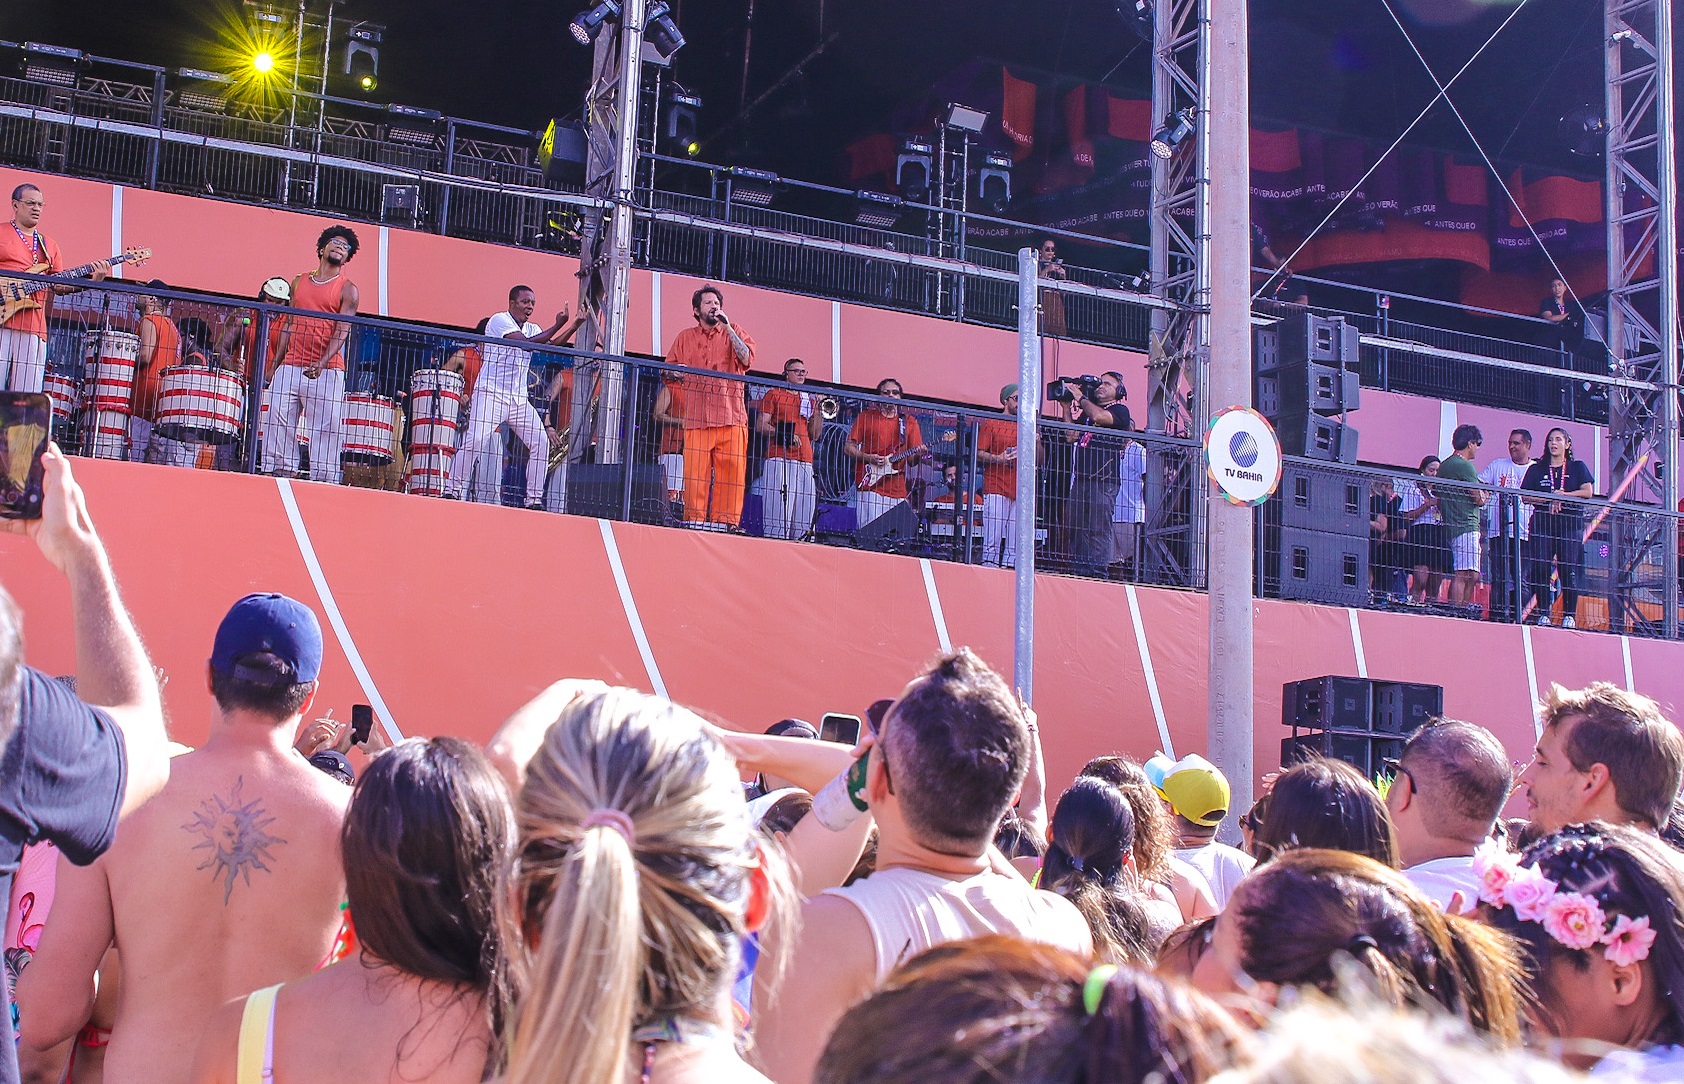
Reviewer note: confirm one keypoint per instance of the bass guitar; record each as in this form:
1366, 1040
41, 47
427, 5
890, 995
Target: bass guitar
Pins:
16, 295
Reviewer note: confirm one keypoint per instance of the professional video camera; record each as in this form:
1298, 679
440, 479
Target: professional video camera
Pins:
1059, 391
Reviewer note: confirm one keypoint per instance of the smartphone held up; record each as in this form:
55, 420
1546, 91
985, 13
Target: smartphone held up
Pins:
25, 427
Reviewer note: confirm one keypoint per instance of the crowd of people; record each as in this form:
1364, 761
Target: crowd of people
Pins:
598, 895
1516, 533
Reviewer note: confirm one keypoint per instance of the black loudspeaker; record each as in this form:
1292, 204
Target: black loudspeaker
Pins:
1328, 703
1308, 385
563, 152
1321, 499
1315, 437
1367, 755
598, 490
1326, 340
897, 526
1265, 350
1313, 566
1401, 706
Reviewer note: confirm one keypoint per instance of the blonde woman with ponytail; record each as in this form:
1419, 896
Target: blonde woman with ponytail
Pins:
637, 878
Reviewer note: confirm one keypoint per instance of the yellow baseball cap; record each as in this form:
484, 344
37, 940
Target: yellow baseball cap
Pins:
1194, 787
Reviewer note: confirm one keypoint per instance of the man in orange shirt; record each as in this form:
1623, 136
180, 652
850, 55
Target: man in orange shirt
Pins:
160, 349
23, 247
715, 419
996, 450
792, 419
883, 439
310, 365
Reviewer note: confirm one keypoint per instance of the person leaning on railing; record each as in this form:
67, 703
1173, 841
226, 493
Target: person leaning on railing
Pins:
1557, 526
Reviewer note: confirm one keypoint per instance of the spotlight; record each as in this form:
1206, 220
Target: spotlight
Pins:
660, 31
683, 118
1585, 131
912, 170
877, 210
1177, 127
964, 118
362, 55
263, 61
51, 64
753, 187
1137, 14
203, 91
994, 183
414, 127
586, 24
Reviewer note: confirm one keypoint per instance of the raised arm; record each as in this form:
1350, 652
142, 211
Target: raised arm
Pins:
517, 741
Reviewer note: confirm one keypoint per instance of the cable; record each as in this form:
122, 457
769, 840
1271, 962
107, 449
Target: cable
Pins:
1442, 89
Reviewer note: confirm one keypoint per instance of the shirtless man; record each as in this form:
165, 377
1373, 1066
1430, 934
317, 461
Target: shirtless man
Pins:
227, 881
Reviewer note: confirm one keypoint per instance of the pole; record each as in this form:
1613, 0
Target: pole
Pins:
620, 228
1028, 414
1225, 102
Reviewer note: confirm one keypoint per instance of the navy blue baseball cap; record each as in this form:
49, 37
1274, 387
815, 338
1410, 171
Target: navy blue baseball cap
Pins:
272, 624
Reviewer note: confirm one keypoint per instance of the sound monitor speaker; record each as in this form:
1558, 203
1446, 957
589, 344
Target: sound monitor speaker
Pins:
1313, 566
563, 152
1265, 350
1322, 499
1327, 340
1328, 703
1315, 437
899, 525
1401, 706
1312, 386
1367, 755
598, 490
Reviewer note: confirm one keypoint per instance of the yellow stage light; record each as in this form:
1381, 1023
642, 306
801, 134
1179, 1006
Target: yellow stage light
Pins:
264, 61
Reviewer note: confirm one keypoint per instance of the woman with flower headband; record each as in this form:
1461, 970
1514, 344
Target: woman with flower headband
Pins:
1596, 910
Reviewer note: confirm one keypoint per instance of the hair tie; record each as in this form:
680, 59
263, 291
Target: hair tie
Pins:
1093, 990
1360, 942
1076, 863
612, 818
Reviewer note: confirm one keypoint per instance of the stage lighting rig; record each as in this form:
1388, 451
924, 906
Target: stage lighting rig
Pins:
362, 55
913, 168
683, 120
586, 25
1177, 127
964, 118
994, 183
54, 65
660, 31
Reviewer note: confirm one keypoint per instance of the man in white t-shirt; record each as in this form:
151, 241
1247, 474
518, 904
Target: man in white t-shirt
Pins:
1451, 782
1198, 794
1129, 514
1508, 521
500, 396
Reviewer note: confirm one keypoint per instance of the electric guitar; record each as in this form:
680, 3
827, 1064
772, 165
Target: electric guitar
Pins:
16, 295
875, 474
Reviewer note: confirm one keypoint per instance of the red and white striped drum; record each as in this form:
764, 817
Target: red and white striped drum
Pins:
371, 421
429, 470
105, 434
108, 365
62, 390
197, 403
435, 403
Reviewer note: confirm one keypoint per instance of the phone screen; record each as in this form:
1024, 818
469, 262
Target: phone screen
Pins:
25, 422
362, 723
838, 727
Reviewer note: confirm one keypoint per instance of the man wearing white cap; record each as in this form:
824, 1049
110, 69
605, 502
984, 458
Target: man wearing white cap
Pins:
1197, 793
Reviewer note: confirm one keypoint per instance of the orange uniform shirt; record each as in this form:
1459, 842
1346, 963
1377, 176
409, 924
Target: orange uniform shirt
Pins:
166, 353
712, 402
311, 335
672, 436
783, 405
877, 434
994, 436
20, 254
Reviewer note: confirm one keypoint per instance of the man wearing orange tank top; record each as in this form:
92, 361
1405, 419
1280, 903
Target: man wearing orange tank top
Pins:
160, 349
310, 365
23, 247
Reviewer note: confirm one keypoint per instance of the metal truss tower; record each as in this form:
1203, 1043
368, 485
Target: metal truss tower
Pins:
1643, 315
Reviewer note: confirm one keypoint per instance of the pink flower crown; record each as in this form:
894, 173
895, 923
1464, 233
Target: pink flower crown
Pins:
1572, 918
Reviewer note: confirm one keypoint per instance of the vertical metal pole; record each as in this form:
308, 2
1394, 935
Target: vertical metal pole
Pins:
1223, 130
157, 147
620, 229
1666, 255
1028, 448
442, 225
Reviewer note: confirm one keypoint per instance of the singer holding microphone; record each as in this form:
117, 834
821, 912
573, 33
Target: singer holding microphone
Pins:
715, 417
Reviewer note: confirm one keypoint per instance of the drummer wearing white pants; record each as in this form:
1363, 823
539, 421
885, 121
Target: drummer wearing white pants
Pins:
500, 397
310, 365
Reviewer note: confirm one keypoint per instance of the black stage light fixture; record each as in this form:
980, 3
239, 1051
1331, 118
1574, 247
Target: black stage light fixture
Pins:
753, 187
682, 122
1585, 131
994, 183
203, 91
54, 65
1177, 127
586, 24
877, 210
660, 31
1137, 16
362, 55
964, 118
912, 170
415, 127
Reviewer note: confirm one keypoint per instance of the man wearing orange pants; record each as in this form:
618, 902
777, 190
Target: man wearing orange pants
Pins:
715, 419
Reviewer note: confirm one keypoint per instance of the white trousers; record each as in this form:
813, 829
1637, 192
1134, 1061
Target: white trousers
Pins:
672, 466
322, 403
145, 446
999, 530
23, 361
486, 412
787, 498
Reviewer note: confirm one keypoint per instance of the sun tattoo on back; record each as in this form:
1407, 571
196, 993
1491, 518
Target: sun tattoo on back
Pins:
235, 832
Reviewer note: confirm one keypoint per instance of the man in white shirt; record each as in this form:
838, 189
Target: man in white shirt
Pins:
1129, 515
500, 396
1452, 780
1197, 793
1507, 523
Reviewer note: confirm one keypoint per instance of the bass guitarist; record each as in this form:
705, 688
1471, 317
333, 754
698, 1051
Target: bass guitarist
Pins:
23, 247
883, 441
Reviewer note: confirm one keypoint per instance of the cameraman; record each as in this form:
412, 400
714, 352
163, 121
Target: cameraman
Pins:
792, 419
1096, 473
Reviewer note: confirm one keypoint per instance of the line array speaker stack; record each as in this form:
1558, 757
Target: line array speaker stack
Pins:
1314, 533
1356, 720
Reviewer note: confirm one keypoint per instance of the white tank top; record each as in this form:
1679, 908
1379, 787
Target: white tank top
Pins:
909, 911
